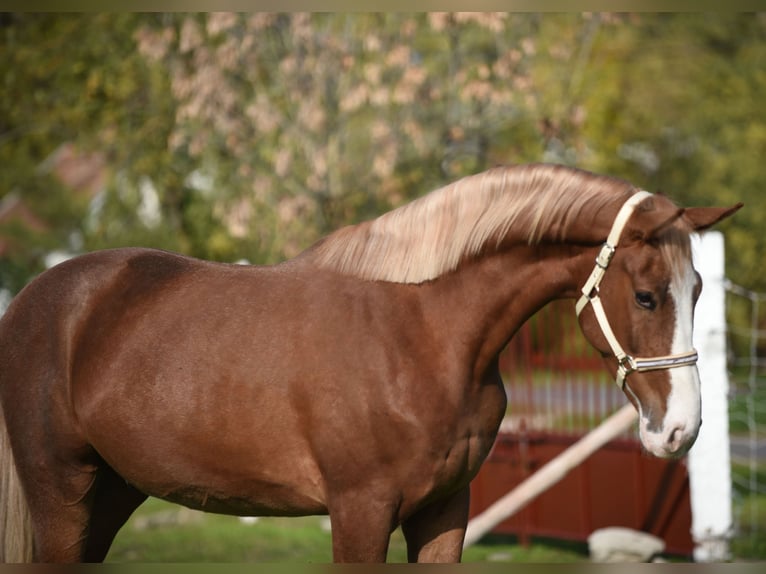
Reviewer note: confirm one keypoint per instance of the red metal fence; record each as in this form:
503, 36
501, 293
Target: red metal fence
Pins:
557, 390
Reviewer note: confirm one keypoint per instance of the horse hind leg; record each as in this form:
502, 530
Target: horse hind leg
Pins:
44, 496
59, 507
76, 520
113, 502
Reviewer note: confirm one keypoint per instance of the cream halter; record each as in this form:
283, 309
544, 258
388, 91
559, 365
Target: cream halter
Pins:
590, 294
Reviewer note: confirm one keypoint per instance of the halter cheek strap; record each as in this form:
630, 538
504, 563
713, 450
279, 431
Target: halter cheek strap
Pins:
590, 294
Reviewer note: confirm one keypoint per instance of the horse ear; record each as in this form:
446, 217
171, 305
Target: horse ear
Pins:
662, 224
658, 213
701, 218
652, 217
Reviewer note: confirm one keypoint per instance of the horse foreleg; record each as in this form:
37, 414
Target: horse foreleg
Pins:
361, 527
113, 503
435, 533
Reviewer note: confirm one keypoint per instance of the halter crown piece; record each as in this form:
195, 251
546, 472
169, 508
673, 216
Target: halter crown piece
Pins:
590, 294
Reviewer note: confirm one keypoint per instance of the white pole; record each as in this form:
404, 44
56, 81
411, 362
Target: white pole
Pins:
709, 458
550, 473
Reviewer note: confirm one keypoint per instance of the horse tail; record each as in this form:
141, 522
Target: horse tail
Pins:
15, 523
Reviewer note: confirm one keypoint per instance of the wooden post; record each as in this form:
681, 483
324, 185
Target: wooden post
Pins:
709, 458
550, 474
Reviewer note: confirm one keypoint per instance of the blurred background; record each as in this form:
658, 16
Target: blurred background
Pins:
248, 136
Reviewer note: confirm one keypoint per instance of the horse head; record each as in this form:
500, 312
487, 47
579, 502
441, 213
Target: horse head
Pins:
637, 309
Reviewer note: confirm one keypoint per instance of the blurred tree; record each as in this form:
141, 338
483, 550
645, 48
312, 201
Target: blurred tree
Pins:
251, 135
73, 79
327, 119
673, 105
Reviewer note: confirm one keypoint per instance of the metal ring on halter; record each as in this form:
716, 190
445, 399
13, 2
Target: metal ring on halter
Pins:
626, 364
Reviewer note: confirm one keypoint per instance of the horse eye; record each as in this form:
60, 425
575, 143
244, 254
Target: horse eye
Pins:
646, 300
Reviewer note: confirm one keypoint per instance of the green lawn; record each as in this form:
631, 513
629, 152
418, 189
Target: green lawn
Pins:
750, 542
197, 537
180, 535
749, 514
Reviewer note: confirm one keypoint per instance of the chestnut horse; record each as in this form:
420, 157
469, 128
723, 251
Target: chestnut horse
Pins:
358, 379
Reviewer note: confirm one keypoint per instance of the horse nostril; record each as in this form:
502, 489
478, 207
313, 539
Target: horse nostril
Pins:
675, 436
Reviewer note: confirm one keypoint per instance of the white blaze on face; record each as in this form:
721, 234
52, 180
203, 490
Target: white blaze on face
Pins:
683, 410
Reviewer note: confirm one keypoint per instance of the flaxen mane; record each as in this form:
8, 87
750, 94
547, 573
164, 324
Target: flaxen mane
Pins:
431, 235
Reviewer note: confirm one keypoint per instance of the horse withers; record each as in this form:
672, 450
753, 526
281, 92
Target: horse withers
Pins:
358, 379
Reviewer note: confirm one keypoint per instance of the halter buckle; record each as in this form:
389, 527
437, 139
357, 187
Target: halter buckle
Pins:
605, 256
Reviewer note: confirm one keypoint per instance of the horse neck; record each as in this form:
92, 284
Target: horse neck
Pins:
486, 301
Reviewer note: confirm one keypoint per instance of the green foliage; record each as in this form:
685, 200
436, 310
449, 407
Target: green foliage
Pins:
261, 132
71, 79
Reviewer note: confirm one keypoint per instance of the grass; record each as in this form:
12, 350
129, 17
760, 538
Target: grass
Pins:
750, 540
213, 538
749, 514
181, 536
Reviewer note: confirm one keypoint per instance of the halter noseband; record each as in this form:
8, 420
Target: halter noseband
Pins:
590, 294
